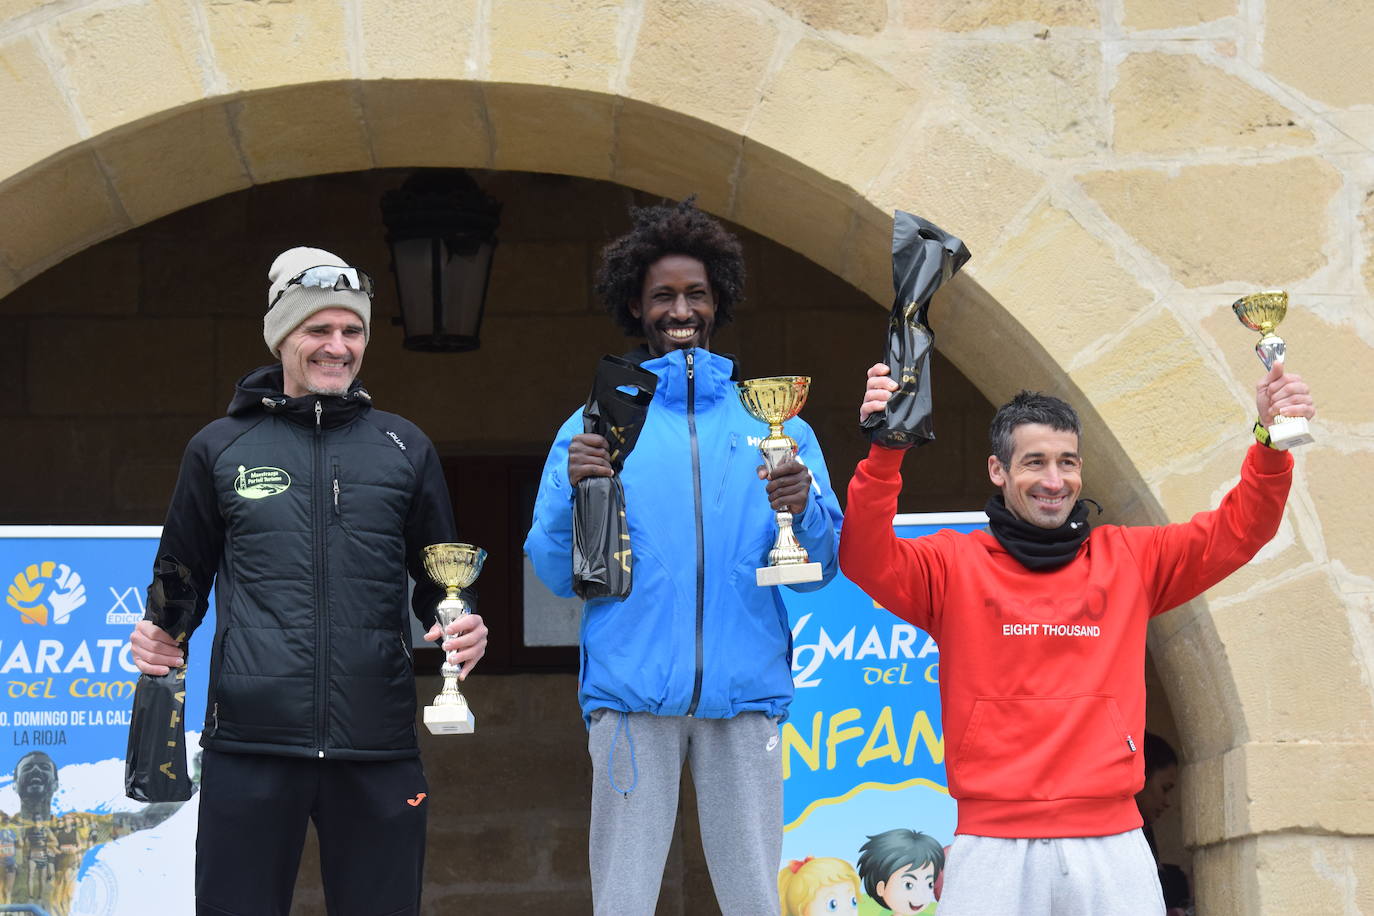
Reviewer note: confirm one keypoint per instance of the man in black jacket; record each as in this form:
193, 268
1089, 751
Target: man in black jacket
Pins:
306, 507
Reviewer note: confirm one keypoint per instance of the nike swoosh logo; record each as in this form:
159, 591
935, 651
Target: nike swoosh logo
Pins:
415, 802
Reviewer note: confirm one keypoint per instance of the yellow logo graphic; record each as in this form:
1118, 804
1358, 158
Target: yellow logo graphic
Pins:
259, 483
46, 592
623, 556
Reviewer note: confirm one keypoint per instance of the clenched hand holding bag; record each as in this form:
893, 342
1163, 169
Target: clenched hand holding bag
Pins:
155, 762
616, 408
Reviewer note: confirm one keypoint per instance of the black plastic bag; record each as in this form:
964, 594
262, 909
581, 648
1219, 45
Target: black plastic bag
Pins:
616, 408
923, 257
155, 762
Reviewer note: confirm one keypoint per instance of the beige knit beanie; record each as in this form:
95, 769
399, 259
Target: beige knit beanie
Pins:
300, 302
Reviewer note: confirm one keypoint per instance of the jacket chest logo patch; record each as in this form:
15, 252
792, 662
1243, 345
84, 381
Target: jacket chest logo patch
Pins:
260, 483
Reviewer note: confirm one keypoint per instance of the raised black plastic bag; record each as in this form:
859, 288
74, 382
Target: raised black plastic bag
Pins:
616, 408
924, 256
155, 762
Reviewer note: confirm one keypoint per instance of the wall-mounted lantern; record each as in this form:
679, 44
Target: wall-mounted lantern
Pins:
441, 229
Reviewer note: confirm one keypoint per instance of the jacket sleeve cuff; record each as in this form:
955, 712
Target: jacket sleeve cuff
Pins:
1269, 461
885, 460
814, 519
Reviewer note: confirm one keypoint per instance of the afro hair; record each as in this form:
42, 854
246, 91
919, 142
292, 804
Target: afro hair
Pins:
664, 230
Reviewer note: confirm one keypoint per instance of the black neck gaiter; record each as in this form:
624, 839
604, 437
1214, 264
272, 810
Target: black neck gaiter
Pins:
1037, 548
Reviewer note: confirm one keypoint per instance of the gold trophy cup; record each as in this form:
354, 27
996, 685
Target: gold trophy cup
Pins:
454, 566
775, 401
1262, 312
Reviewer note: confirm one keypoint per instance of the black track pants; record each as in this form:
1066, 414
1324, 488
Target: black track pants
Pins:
369, 816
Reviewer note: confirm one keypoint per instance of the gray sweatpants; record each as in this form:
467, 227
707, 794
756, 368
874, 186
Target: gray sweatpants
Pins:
1074, 876
636, 768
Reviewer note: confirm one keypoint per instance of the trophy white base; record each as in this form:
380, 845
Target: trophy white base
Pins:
788, 575
1289, 432
450, 720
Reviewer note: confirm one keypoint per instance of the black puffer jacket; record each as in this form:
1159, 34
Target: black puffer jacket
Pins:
307, 513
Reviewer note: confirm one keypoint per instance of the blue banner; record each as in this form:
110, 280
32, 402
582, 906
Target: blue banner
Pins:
864, 751
71, 841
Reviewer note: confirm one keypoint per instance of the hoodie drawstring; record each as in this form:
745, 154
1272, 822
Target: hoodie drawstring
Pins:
1059, 851
623, 721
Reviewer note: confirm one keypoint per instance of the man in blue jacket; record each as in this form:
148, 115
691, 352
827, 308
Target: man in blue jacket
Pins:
695, 665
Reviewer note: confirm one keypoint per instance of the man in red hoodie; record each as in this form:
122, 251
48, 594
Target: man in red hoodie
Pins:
1041, 622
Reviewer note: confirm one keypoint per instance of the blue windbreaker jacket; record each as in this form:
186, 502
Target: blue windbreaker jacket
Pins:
696, 636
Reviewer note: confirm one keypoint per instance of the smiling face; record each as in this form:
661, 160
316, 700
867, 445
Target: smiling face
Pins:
323, 354
35, 775
1044, 477
677, 308
832, 899
908, 890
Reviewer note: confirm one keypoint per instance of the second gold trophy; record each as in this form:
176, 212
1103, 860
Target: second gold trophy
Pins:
776, 400
455, 567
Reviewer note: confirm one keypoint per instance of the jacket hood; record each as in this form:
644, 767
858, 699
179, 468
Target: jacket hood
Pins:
261, 389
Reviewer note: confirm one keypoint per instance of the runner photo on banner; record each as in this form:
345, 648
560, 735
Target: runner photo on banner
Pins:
71, 843
866, 808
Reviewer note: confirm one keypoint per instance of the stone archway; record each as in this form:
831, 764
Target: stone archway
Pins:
1106, 242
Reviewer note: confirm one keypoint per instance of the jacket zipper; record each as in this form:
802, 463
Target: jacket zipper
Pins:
321, 622
336, 492
701, 536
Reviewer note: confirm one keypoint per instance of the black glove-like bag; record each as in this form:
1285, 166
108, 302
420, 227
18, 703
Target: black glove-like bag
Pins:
616, 408
155, 762
923, 257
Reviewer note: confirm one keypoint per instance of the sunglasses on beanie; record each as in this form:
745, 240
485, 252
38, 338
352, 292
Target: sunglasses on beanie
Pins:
328, 277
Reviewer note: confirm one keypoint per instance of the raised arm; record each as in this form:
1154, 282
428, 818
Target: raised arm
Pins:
899, 574
1189, 558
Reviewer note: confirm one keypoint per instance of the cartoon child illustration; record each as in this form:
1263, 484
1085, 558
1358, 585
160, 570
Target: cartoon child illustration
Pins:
819, 887
899, 869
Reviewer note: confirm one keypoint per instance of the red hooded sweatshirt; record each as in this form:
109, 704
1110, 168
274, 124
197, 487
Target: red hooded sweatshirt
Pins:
1042, 674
